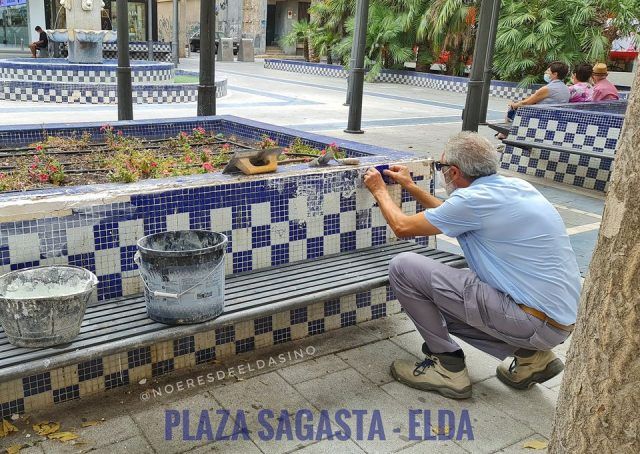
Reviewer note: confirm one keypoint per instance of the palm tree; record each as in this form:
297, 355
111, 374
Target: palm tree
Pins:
449, 24
301, 31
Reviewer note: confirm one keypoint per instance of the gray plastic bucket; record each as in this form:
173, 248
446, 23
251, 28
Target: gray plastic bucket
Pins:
183, 275
45, 305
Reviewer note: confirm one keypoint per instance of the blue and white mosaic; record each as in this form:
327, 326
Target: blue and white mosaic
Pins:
138, 50
499, 89
593, 127
276, 219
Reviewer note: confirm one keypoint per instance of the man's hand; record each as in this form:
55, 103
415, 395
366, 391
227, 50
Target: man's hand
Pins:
400, 174
374, 182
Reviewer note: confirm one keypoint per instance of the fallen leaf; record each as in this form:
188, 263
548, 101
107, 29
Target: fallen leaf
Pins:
63, 436
442, 430
14, 449
89, 423
15, 417
535, 444
46, 428
143, 381
6, 428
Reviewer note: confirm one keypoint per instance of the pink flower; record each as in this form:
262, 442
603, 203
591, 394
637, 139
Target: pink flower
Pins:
120, 133
2, 175
39, 148
43, 177
154, 164
207, 166
188, 159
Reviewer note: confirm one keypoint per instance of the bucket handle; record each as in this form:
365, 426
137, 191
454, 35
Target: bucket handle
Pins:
175, 296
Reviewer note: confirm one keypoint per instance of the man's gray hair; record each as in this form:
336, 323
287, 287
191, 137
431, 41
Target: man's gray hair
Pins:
472, 154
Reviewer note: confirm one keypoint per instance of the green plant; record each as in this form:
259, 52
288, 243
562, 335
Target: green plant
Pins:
45, 169
301, 32
267, 142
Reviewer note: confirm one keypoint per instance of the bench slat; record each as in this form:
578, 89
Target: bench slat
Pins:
275, 289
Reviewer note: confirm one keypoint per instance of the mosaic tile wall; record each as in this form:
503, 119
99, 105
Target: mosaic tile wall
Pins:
84, 93
567, 126
56, 71
137, 50
499, 89
102, 373
269, 221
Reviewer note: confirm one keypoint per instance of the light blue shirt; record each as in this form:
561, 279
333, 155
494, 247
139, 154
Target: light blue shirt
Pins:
515, 241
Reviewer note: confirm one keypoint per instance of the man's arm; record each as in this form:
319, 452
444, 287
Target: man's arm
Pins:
402, 176
535, 98
401, 224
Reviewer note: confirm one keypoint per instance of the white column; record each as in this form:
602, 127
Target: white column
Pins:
35, 14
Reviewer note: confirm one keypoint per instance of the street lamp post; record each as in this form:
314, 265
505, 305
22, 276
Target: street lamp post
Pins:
471, 116
357, 70
125, 106
207, 87
174, 38
150, 28
488, 64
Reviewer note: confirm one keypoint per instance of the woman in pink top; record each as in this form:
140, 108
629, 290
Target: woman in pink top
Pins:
581, 90
603, 90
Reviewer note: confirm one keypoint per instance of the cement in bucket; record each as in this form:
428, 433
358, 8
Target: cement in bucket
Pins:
44, 306
183, 275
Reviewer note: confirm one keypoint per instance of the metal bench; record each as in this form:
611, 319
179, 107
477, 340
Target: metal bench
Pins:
122, 324
502, 128
528, 145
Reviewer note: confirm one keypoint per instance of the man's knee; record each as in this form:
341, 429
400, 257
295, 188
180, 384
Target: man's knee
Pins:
400, 263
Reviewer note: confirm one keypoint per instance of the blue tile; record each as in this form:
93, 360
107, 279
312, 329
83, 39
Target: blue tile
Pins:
280, 254
297, 230
260, 236
126, 258
242, 261
347, 241
106, 236
315, 247
331, 224
378, 235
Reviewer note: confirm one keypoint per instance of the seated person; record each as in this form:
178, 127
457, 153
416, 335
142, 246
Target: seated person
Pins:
519, 297
42, 43
555, 92
603, 90
581, 90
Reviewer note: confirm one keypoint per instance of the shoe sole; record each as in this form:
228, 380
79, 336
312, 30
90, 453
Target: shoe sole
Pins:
553, 368
446, 392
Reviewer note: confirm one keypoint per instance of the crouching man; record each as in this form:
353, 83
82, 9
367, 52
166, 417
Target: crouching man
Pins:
518, 298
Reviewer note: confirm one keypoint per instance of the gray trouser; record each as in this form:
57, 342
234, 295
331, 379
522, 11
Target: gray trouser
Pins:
442, 300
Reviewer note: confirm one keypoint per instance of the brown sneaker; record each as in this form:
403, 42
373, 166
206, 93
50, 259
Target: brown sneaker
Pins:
430, 375
523, 373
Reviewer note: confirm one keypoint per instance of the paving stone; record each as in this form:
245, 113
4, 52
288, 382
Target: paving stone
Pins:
228, 446
269, 391
373, 360
311, 369
479, 364
518, 448
152, 423
135, 445
347, 389
391, 326
492, 428
331, 447
109, 431
534, 407
441, 447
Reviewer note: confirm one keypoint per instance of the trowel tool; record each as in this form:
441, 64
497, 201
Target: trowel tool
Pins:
252, 162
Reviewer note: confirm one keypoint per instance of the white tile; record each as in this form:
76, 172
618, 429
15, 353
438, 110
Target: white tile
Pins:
280, 232
107, 261
80, 240
261, 257
297, 250
315, 227
179, 221
331, 244
347, 221
331, 203
241, 239
377, 219
130, 231
221, 219
25, 248
363, 238
261, 213
364, 199
298, 208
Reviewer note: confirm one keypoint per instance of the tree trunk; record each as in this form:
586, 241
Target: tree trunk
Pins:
305, 48
600, 394
424, 59
329, 56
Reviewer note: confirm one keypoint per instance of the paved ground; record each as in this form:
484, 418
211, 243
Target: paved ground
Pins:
346, 369
349, 368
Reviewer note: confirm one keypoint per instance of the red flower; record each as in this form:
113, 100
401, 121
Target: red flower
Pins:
39, 148
120, 133
34, 166
52, 168
188, 159
207, 166
323, 152
154, 164
43, 177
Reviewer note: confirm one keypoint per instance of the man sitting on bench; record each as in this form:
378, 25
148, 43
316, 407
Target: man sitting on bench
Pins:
520, 296
42, 43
